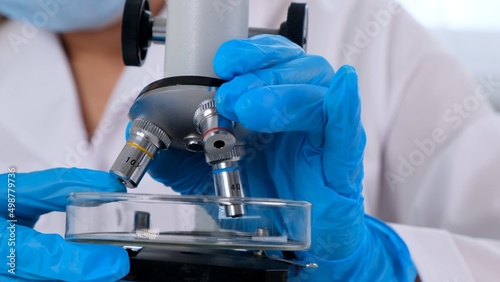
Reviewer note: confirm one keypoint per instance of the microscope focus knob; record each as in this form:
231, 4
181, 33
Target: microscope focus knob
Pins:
137, 31
296, 25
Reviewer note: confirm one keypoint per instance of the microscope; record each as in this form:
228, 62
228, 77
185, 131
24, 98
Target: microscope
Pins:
179, 112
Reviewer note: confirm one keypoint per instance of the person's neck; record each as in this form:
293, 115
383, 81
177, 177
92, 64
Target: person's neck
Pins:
96, 61
104, 42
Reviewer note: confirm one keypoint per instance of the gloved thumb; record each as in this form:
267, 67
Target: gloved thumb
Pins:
344, 135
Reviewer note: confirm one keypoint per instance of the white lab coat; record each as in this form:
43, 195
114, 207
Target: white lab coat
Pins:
432, 141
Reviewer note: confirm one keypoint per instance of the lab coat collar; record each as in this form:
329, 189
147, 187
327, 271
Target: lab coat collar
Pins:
40, 107
39, 103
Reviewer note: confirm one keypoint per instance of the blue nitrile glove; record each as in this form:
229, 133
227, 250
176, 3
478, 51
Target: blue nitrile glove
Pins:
48, 256
313, 152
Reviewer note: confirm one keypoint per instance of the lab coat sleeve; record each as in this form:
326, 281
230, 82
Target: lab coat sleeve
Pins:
438, 139
441, 153
442, 256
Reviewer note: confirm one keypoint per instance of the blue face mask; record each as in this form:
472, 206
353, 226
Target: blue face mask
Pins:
64, 15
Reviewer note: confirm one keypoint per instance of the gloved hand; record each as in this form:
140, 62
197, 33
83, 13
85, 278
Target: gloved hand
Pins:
30, 255
309, 147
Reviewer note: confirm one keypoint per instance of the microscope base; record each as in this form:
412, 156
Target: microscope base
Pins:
153, 264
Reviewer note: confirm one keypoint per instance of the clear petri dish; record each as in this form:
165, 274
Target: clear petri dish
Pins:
193, 221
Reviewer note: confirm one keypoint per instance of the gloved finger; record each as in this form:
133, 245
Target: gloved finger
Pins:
185, 172
344, 135
312, 70
280, 108
241, 56
48, 256
39, 192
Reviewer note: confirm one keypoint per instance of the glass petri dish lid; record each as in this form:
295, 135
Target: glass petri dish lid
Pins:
192, 221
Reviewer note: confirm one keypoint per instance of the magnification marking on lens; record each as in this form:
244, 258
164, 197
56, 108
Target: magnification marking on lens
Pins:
142, 149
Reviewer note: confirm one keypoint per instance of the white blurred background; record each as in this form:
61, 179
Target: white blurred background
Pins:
469, 28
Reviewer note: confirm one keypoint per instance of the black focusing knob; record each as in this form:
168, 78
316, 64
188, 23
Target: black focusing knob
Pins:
296, 25
137, 31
